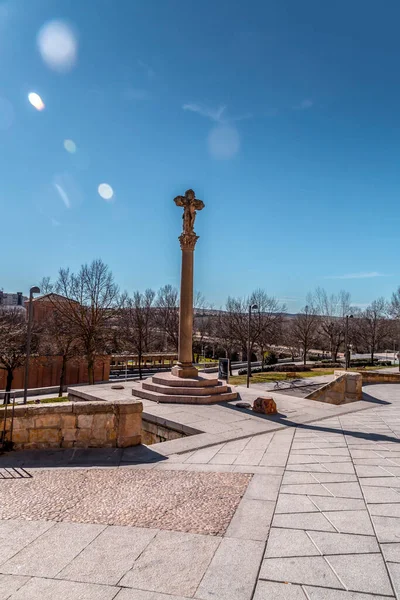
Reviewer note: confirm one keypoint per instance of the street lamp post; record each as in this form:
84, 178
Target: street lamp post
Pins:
346, 343
251, 307
33, 290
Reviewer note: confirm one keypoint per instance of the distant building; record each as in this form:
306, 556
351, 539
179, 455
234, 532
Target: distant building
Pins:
7, 299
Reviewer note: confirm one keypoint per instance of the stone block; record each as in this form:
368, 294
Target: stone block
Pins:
65, 444
100, 421
85, 421
67, 421
69, 435
112, 435
46, 436
20, 436
130, 424
265, 406
92, 407
46, 421
126, 442
50, 408
83, 435
124, 406
19, 423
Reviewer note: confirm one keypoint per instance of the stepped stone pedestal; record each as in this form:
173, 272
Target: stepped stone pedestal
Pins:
202, 389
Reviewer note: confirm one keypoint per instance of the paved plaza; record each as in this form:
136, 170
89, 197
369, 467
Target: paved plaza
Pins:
303, 511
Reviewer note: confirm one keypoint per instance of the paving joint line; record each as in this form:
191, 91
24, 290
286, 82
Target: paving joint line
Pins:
370, 517
272, 517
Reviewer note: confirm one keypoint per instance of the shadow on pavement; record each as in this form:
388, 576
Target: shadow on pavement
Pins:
79, 457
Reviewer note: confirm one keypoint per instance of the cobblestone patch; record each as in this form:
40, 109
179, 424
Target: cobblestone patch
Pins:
175, 500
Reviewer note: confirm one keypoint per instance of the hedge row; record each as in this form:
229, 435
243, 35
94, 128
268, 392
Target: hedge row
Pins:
289, 368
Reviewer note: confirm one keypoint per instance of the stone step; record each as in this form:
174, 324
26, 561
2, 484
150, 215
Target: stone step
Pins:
157, 397
185, 391
173, 381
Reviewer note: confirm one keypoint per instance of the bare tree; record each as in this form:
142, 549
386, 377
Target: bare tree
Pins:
59, 337
268, 320
305, 328
373, 328
13, 334
167, 314
225, 335
90, 307
137, 324
332, 310
203, 325
289, 339
45, 285
264, 322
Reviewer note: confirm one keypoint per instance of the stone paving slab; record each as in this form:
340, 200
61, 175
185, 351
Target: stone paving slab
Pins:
313, 570
10, 584
252, 520
374, 578
129, 594
50, 589
232, 572
52, 551
109, 556
325, 594
16, 534
173, 563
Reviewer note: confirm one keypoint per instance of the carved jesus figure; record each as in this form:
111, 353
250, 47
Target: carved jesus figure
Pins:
190, 204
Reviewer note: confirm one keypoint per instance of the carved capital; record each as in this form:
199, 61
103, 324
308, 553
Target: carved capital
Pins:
188, 240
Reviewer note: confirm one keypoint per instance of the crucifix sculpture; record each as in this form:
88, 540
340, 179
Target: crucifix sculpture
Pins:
188, 239
190, 204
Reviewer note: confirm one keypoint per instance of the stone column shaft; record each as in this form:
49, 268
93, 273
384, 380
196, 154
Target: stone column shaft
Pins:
185, 367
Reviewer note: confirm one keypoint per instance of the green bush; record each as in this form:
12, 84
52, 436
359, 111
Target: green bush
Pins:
271, 358
328, 365
290, 368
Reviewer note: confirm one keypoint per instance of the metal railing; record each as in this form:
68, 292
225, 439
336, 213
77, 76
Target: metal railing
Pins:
7, 424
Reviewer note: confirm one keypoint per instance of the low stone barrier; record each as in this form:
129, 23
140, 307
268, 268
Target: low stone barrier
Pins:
347, 387
379, 377
75, 425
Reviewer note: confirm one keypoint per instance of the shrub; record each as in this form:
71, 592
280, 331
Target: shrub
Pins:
289, 368
328, 365
362, 362
271, 358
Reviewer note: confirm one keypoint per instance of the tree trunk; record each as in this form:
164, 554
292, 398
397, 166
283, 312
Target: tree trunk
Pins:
140, 364
10, 377
62, 376
304, 357
262, 359
91, 370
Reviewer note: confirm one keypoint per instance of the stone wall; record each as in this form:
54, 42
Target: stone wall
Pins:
379, 377
75, 425
153, 433
347, 387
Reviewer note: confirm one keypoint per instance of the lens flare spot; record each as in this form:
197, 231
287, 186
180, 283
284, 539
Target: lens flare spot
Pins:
106, 192
223, 142
36, 101
70, 146
58, 45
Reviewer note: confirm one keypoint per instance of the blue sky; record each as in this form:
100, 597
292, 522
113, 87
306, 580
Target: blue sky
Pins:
282, 115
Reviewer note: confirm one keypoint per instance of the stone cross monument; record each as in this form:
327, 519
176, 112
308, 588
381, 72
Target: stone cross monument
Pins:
188, 239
